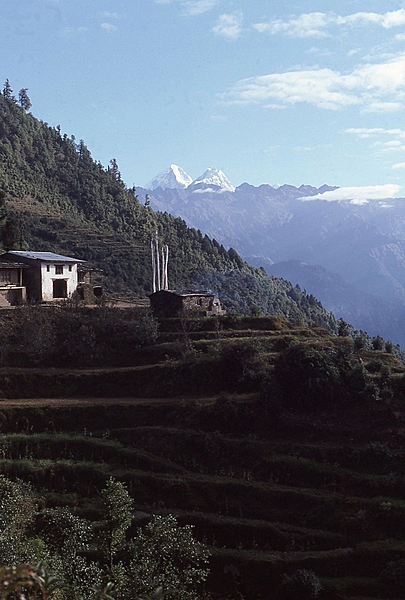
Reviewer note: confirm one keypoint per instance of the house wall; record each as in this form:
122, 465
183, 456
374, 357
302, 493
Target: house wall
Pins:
168, 304
199, 303
49, 274
32, 281
16, 295
165, 304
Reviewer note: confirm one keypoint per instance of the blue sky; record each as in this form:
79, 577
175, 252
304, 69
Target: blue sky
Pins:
294, 93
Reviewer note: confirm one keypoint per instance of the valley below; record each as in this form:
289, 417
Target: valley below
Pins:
349, 255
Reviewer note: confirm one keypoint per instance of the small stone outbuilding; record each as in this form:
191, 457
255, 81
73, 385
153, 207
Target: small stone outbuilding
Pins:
172, 303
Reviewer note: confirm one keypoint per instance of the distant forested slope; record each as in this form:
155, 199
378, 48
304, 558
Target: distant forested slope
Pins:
59, 198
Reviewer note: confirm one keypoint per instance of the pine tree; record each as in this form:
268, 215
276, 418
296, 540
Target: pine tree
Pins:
113, 168
7, 91
24, 99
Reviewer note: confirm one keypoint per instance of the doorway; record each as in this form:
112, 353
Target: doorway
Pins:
60, 288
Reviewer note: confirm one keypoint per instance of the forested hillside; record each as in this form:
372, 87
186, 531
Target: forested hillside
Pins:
59, 198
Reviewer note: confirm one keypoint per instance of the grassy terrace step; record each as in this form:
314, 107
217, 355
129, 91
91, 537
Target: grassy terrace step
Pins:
57, 447
286, 470
366, 559
353, 571
259, 461
227, 496
355, 587
167, 379
225, 531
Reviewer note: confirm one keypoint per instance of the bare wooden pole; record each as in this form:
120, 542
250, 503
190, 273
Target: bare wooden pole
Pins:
166, 263
163, 269
158, 263
153, 266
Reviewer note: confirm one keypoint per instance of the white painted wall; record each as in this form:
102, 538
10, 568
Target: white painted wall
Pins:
47, 278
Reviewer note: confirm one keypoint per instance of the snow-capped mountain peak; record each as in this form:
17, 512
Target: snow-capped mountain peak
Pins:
173, 178
215, 177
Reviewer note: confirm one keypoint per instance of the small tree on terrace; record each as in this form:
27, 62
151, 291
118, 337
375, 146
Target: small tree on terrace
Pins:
118, 506
302, 585
168, 556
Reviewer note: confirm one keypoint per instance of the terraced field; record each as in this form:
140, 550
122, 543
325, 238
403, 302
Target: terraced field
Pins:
197, 427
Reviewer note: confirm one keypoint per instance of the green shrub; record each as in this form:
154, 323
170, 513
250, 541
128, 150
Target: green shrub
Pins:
360, 341
302, 585
306, 377
245, 361
377, 343
393, 576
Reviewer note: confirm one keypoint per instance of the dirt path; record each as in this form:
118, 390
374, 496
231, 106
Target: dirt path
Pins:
78, 402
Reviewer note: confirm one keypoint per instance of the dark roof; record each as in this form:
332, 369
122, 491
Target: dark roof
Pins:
185, 293
43, 256
8, 264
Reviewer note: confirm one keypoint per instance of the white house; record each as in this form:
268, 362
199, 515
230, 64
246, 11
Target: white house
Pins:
50, 276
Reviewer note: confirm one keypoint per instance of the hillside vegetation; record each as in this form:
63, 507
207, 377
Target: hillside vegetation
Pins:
58, 198
279, 440
282, 444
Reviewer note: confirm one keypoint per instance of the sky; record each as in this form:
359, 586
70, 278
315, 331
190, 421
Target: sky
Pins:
301, 92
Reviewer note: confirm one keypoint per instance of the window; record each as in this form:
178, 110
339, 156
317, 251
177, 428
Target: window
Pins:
6, 276
70, 268
48, 268
59, 269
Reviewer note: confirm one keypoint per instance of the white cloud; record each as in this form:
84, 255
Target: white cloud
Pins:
307, 25
275, 106
109, 27
192, 8
394, 143
367, 132
110, 15
321, 87
358, 195
70, 31
399, 165
197, 7
229, 26
378, 87
384, 107
316, 24
321, 52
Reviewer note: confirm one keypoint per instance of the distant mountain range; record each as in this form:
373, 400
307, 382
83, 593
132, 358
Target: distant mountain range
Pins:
350, 256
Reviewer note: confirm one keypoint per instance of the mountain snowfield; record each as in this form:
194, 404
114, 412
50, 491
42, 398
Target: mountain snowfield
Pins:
175, 178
